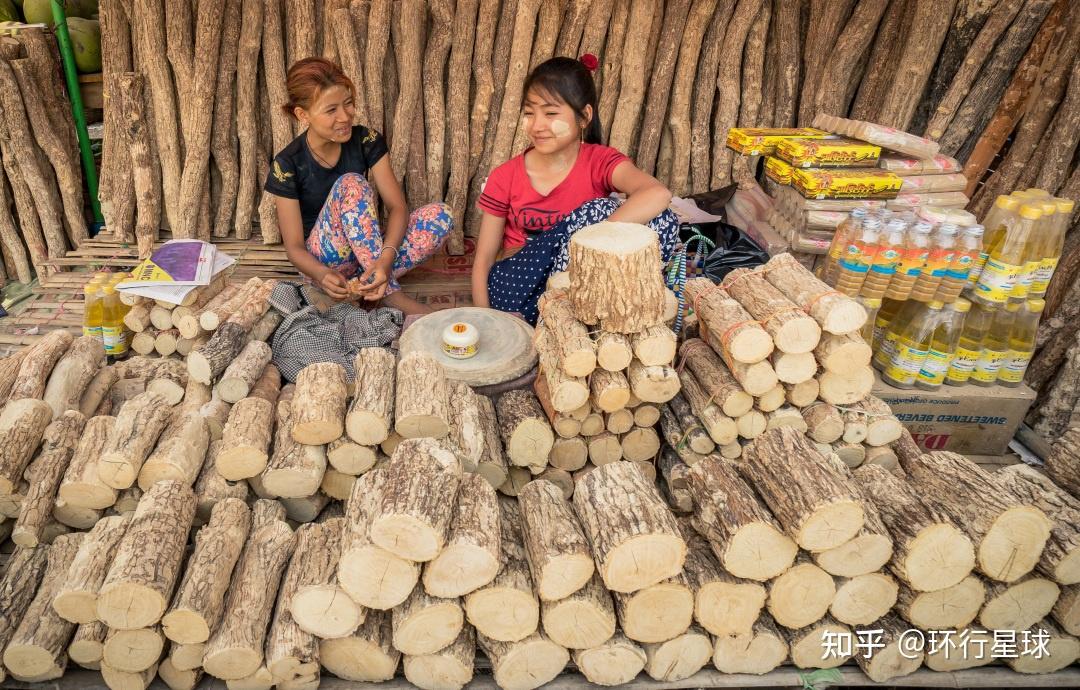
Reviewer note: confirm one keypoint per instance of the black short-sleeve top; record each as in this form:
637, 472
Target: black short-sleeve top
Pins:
296, 174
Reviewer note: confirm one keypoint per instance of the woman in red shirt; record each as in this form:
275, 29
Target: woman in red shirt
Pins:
560, 184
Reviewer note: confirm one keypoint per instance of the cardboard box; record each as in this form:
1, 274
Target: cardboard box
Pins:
972, 420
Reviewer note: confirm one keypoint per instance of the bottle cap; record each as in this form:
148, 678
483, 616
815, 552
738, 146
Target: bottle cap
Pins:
923, 227
935, 305
108, 289
1031, 212
961, 305
974, 230
1009, 203
858, 213
1065, 205
872, 302
1049, 207
1012, 306
871, 223
947, 229
1036, 306
1036, 192
896, 225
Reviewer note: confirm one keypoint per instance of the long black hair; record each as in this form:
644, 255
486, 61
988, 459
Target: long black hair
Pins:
570, 81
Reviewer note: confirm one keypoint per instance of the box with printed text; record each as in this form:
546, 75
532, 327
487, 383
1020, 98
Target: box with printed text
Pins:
964, 419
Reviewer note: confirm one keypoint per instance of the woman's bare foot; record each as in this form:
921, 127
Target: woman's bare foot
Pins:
405, 304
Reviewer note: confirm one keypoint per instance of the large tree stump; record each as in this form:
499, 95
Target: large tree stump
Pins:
950, 608
413, 515
198, 606
524, 429
624, 259
558, 554
75, 595
136, 590
1009, 535
37, 649
57, 446
371, 413
507, 608
634, 538
929, 552
421, 397
818, 509
470, 558
235, 649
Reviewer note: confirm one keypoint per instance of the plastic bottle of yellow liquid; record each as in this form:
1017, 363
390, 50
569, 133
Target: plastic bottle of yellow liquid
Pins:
882, 270
943, 345
1021, 343
1007, 262
1052, 245
968, 247
942, 251
1004, 214
886, 347
888, 311
92, 311
872, 305
112, 325
912, 261
995, 346
1033, 249
858, 255
977, 324
839, 243
912, 346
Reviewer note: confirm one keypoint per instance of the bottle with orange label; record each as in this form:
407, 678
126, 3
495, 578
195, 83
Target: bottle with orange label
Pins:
882, 270
942, 251
943, 345
858, 255
844, 232
1052, 246
995, 346
1006, 264
1004, 214
977, 324
912, 261
912, 345
1021, 344
968, 248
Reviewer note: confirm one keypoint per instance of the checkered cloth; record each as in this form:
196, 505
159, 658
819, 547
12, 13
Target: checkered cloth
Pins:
308, 334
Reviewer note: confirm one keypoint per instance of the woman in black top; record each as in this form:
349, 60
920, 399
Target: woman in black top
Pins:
325, 203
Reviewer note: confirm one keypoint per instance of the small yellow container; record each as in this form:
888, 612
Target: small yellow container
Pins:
460, 340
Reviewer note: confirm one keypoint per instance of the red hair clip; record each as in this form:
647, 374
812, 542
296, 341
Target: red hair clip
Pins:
590, 61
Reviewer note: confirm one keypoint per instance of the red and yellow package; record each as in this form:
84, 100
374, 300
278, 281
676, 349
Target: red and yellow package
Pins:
762, 141
837, 152
844, 183
777, 170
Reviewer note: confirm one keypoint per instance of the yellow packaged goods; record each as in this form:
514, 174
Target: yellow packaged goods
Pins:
816, 183
778, 170
828, 153
762, 141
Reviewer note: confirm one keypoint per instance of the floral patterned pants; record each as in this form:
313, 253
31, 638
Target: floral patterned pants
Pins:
347, 237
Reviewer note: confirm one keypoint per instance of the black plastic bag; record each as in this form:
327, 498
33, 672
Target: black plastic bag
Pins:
734, 248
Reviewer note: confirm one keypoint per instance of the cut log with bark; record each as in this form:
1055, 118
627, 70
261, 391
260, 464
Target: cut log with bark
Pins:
524, 429
817, 508
723, 604
211, 488
507, 609
132, 651
808, 647
72, 374
493, 465
835, 313
786, 417
929, 551
674, 483
615, 661
843, 354
349, 458
862, 599
138, 586
583, 619
640, 445
1060, 559
292, 654
238, 378
1063, 464
319, 404
1067, 609
319, 606
793, 368
199, 603
943, 661
134, 434
33, 372
424, 624
680, 657
294, 470
371, 575
868, 552
450, 667
525, 664
556, 549
724, 391
245, 440
882, 427
422, 396
845, 390
44, 474
654, 384
773, 399
235, 649
950, 608
569, 454
86, 646
801, 595
371, 412
736, 335
696, 435
610, 390
757, 651
614, 502
1009, 535
1019, 605
367, 655
824, 422
413, 517
614, 351
18, 586
606, 256
216, 413
654, 346
180, 452
576, 350
470, 558
37, 650
657, 612
1062, 650
894, 659
161, 317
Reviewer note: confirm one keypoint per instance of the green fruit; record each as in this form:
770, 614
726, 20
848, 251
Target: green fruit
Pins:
8, 13
85, 43
40, 11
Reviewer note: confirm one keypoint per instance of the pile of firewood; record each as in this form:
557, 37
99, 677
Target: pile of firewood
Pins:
41, 182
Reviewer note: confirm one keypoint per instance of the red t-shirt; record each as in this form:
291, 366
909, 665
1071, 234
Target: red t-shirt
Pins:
509, 193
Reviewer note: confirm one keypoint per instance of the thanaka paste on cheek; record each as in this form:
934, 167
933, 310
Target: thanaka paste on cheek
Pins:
559, 128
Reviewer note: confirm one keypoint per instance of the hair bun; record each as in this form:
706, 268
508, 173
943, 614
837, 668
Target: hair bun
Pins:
590, 61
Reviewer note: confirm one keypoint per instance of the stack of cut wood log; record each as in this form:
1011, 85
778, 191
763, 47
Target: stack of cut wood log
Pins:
969, 78
42, 212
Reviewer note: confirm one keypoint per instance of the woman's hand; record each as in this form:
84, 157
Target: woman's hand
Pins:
334, 285
372, 283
